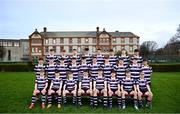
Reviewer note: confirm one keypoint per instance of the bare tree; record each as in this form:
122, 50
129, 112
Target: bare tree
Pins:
173, 45
148, 47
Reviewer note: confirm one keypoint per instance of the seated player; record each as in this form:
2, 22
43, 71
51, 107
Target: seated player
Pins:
55, 88
147, 71
41, 84
114, 88
85, 87
128, 87
100, 87
144, 89
70, 87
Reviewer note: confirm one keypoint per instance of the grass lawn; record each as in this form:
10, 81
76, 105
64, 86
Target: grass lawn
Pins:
16, 91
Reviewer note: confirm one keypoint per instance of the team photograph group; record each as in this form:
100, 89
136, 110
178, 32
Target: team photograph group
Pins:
107, 80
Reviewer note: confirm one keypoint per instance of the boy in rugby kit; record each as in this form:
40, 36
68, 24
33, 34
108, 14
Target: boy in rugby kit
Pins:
107, 68
114, 88
128, 87
112, 58
40, 86
85, 87
70, 87
100, 87
144, 89
55, 88
147, 71
39, 67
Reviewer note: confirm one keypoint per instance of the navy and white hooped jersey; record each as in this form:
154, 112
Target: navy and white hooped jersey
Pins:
107, 68
100, 82
135, 71
66, 59
41, 82
113, 60
56, 83
62, 68
138, 58
113, 83
83, 67
147, 73
142, 84
85, 82
125, 59
100, 59
48, 57
128, 84
75, 70
70, 84
94, 70
120, 72
38, 68
88, 58
78, 59
50, 69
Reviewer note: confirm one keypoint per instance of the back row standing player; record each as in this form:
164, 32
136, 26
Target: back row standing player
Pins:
100, 57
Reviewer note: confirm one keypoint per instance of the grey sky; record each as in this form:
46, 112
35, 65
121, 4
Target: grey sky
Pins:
150, 19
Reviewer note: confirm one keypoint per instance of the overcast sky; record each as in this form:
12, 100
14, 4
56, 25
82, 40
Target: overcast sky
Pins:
150, 19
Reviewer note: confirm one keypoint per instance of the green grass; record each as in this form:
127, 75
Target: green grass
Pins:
16, 90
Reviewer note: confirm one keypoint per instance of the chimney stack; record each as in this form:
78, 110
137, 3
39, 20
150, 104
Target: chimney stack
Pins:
45, 29
97, 28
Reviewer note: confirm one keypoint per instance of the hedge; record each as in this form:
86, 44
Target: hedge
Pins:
30, 67
16, 68
166, 67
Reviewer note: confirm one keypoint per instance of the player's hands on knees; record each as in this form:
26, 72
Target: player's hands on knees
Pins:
59, 92
44, 91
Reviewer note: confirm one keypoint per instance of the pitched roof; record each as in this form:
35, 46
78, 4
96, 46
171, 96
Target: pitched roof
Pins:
69, 34
85, 34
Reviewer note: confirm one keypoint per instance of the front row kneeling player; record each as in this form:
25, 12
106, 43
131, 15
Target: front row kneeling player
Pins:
41, 84
114, 88
144, 89
70, 87
128, 87
55, 88
85, 87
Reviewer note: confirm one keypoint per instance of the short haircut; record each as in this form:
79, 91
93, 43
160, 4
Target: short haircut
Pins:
40, 58
106, 57
111, 50
113, 71
86, 49
51, 49
63, 50
99, 49
136, 50
74, 50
